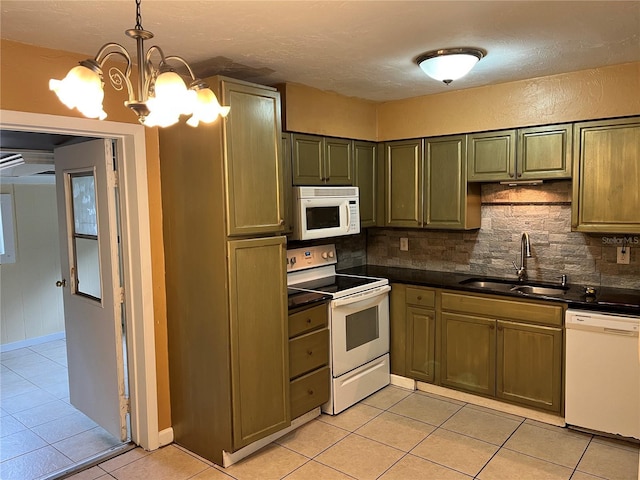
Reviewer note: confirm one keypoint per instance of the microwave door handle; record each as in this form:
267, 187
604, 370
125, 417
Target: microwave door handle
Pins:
359, 298
348, 216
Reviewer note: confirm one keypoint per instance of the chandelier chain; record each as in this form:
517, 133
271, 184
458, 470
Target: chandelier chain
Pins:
138, 16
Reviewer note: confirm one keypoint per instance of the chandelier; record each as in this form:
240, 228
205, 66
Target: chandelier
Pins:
161, 96
449, 64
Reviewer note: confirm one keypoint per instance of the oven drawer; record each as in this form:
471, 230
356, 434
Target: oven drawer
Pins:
421, 297
307, 320
308, 352
309, 392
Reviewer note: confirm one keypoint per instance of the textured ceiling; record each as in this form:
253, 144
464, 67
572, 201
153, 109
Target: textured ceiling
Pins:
363, 48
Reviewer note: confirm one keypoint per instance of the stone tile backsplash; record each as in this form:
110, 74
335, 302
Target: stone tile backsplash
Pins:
544, 212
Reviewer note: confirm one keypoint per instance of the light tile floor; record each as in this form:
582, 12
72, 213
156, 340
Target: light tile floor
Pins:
400, 435
40, 431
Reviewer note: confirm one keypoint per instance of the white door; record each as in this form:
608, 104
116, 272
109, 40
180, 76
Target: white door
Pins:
87, 206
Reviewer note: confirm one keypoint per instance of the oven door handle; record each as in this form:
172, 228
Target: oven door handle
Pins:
360, 297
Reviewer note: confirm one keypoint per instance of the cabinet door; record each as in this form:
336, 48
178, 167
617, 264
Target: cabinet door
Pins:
253, 162
529, 365
491, 156
338, 164
606, 175
308, 159
544, 152
445, 182
398, 328
365, 163
259, 339
421, 331
468, 357
287, 186
403, 183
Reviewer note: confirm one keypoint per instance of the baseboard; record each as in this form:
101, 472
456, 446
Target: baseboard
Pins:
403, 382
165, 437
229, 459
7, 347
543, 417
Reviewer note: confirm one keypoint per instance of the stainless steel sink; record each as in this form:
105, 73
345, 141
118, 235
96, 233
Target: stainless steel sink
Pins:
501, 285
511, 286
549, 291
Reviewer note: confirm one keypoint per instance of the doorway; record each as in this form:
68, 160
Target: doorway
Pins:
135, 259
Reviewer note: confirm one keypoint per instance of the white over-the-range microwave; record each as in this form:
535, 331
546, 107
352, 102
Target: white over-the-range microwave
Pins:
323, 212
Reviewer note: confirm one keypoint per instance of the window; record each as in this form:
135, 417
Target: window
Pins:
7, 230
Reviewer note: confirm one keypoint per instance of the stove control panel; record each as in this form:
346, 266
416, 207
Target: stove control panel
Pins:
310, 257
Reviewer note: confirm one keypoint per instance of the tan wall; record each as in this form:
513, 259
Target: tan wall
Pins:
604, 92
589, 94
26, 71
309, 110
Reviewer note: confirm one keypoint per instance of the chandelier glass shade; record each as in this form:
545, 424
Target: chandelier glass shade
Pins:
449, 64
161, 95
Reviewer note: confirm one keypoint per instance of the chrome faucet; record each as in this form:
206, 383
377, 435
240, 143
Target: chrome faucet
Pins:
525, 252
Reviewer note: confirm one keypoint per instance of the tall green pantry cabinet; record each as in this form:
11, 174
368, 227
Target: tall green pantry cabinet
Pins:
225, 256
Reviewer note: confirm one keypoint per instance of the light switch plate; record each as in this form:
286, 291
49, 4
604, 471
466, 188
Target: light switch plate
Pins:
404, 244
624, 257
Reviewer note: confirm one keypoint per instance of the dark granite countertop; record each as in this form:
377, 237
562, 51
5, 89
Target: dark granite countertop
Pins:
302, 299
613, 300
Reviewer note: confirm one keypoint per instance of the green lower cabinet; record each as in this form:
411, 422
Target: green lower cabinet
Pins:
421, 341
529, 365
398, 329
468, 355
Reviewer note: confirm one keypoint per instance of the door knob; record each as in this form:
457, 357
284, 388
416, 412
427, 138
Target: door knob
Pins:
61, 283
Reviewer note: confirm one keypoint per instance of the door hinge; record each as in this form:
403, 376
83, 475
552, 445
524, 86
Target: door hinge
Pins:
114, 178
121, 293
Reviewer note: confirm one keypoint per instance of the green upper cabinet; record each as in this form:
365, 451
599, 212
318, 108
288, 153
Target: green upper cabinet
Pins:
287, 183
524, 154
253, 160
544, 152
403, 163
366, 177
606, 173
321, 160
491, 156
449, 202
425, 184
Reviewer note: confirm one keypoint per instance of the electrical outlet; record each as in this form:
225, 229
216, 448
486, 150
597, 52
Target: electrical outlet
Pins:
624, 255
404, 244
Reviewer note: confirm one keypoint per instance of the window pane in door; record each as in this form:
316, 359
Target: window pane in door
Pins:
84, 205
88, 267
86, 252
362, 327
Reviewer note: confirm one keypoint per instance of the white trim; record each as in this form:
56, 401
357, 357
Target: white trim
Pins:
7, 347
550, 418
134, 207
229, 458
403, 382
165, 436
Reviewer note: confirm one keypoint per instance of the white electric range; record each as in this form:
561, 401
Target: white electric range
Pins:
358, 323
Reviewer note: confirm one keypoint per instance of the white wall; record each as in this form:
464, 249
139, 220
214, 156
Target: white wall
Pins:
30, 303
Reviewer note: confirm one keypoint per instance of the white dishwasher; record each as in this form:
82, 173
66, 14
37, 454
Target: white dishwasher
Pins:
603, 372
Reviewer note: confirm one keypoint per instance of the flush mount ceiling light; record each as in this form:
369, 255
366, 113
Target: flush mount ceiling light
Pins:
161, 96
449, 64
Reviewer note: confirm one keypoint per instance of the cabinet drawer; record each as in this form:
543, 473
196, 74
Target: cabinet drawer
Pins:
309, 392
421, 297
307, 320
498, 308
308, 352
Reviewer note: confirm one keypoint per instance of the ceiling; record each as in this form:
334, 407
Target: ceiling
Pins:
358, 48
364, 48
